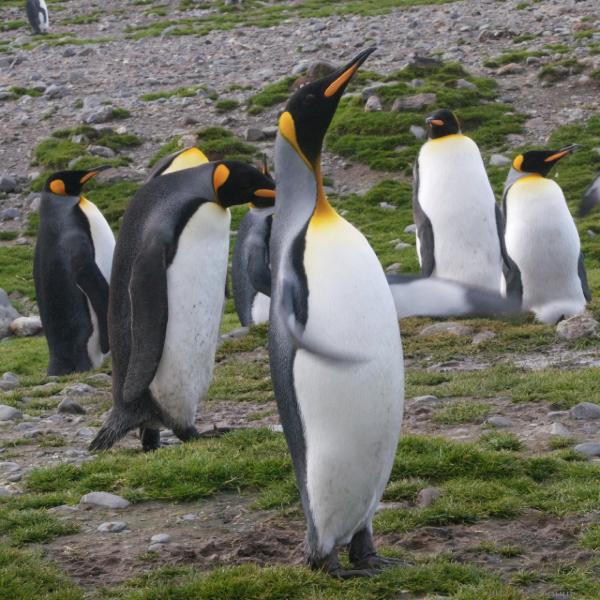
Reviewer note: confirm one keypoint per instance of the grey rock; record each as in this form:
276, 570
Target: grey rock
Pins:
497, 160
156, 547
483, 336
79, 389
104, 499
188, 518
270, 133
373, 104
112, 526
412, 228
8, 184
70, 407
102, 377
160, 538
415, 102
102, 151
577, 327
387, 206
275, 428
86, 432
510, 69
253, 134
9, 377
498, 421
4, 491
448, 327
427, 496
26, 326
68, 52
465, 85
9, 413
7, 467
9, 214
97, 115
588, 448
585, 411
402, 246
559, 429
55, 91
418, 131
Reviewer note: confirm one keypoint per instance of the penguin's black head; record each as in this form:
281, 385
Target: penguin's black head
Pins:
310, 110
540, 161
70, 183
239, 183
441, 123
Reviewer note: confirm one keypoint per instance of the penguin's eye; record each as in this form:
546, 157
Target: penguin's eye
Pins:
309, 99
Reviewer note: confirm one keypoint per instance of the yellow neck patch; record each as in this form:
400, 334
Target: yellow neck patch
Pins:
324, 214
192, 157
287, 128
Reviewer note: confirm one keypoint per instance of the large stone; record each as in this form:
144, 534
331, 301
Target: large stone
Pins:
55, 91
8, 184
427, 496
577, 327
559, 429
112, 527
26, 326
9, 413
448, 328
104, 500
585, 411
416, 102
10, 214
588, 448
102, 151
254, 134
160, 538
499, 421
373, 104
101, 114
69, 406
79, 389
497, 160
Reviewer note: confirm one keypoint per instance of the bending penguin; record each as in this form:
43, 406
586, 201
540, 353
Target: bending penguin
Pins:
167, 297
334, 343
591, 198
250, 265
547, 273
71, 269
37, 13
458, 222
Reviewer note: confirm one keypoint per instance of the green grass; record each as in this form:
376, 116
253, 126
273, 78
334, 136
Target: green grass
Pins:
16, 270
519, 56
272, 94
226, 105
464, 411
24, 356
182, 92
22, 91
591, 538
32, 526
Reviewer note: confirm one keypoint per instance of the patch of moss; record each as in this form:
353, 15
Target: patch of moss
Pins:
27, 526
218, 143
272, 94
519, 56
183, 92
225, 105
16, 270
22, 91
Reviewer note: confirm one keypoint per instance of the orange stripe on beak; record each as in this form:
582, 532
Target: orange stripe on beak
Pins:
264, 193
557, 156
334, 87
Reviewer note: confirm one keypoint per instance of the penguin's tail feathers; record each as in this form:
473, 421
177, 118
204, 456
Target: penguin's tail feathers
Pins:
553, 312
321, 347
115, 427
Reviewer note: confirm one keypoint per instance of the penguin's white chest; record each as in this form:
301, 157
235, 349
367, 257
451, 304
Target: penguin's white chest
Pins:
261, 305
542, 239
196, 293
352, 412
103, 240
455, 194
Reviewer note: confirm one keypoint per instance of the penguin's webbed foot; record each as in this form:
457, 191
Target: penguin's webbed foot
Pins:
150, 439
331, 565
363, 555
378, 563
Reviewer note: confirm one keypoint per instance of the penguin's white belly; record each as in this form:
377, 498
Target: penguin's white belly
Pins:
542, 239
260, 309
102, 237
456, 196
352, 412
93, 344
196, 293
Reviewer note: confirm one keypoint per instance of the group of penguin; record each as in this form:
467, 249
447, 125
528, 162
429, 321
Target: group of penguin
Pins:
156, 297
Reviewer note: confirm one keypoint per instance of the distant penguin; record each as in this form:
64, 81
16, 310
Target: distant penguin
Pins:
72, 267
250, 271
334, 343
548, 273
178, 161
591, 198
37, 13
167, 297
458, 222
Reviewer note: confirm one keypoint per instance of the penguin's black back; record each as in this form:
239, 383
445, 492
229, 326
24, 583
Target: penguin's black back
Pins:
63, 237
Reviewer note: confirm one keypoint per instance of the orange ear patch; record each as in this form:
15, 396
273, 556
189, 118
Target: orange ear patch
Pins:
220, 176
518, 162
58, 187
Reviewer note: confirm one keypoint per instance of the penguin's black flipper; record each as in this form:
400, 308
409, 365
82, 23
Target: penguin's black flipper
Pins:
92, 283
149, 314
583, 278
259, 267
424, 229
510, 269
591, 198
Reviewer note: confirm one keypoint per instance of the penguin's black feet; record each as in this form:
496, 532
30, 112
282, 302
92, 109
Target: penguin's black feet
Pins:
150, 439
362, 554
331, 565
186, 434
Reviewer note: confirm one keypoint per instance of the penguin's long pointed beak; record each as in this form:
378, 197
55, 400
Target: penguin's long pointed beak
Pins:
340, 78
561, 153
93, 172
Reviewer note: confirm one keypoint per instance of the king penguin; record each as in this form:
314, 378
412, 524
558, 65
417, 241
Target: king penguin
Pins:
37, 13
334, 343
458, 222
591, 198
167, 297
547, 272
72, 267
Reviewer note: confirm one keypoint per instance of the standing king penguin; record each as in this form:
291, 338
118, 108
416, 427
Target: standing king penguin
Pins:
547, 272
334, 343
37, 13
72, 267
591, 198
458, 222
166, 298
